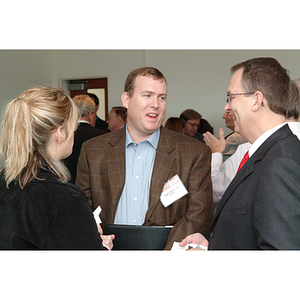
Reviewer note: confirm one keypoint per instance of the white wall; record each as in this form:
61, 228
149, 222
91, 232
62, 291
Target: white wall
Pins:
21, 70
196, 79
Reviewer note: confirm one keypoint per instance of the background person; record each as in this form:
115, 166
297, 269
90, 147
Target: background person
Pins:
117, 118
192, 123
100, 124
175, 124
85, 131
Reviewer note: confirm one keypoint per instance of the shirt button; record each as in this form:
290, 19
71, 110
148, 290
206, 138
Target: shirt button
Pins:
134, 221
212, 234
135, 199
136, 177
139, 157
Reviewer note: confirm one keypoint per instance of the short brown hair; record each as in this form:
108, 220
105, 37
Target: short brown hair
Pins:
265, 74
175, 124
293, 110
120, 111
145, 71
190, 114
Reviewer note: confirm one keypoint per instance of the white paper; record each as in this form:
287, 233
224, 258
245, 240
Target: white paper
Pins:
96, 214
173, 190
176, 247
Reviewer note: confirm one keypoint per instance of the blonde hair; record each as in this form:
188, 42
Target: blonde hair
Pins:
28, 123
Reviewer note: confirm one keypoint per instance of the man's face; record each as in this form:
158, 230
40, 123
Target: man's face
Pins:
239, 106
146, 108
112, 120
191, 127
229, 120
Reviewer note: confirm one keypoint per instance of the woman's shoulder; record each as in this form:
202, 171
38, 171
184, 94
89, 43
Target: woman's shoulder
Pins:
49, 185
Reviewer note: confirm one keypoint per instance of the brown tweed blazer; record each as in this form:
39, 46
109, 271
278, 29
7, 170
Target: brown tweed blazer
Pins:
101, 174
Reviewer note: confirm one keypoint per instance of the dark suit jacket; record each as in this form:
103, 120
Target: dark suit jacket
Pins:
101, 124
101, 174
261, 207
83, 133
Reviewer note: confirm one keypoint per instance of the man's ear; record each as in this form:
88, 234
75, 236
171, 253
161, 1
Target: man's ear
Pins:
90, 116
258, 101
125, 99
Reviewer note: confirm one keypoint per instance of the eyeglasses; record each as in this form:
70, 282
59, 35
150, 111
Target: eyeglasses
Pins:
193, 125
239, 94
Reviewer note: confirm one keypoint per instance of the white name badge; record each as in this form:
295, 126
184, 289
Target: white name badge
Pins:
173, 190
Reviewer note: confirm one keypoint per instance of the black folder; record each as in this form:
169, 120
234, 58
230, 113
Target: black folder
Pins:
137, 237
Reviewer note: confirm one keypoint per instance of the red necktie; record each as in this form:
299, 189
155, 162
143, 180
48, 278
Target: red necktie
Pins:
245, 158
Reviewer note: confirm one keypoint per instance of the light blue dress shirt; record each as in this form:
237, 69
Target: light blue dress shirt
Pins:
134, 200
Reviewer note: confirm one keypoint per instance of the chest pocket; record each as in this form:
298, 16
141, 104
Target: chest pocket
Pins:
237, 211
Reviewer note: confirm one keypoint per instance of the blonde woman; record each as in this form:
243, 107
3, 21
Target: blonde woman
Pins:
39, 209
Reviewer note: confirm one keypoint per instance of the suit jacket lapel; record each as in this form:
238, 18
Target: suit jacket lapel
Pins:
161, 170
240, 176
116, 165
247, 169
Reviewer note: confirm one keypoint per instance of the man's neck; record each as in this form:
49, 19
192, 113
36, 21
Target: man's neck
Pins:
137, 136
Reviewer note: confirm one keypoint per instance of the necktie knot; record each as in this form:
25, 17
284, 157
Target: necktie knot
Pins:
245, 158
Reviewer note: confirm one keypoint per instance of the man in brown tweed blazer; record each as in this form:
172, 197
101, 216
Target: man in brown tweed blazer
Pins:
102, 172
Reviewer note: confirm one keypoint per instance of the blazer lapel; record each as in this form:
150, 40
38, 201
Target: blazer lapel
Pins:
116, 165
245, 171
162, 170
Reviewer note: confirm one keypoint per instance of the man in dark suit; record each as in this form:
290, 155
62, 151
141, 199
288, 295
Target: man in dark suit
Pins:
126, 171
99, 123
261, 207
84, 132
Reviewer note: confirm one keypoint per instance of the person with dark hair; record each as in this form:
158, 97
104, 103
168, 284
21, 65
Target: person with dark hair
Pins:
261, 207
39, 208
100, 124
127, 171
204, 126
192, 119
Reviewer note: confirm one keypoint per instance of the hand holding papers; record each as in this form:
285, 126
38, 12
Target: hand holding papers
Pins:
187, 247
98, 221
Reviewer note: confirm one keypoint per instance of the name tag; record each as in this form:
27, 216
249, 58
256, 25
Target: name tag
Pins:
96, 214
173, 190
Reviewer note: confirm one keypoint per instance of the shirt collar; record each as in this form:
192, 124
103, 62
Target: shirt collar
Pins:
262, 138
83, 121
153, 139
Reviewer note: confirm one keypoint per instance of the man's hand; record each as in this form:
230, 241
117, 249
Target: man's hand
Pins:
107, 241
100, 228
196, 238
215, 144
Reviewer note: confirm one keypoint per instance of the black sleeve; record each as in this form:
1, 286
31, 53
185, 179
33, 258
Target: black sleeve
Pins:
74, 227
